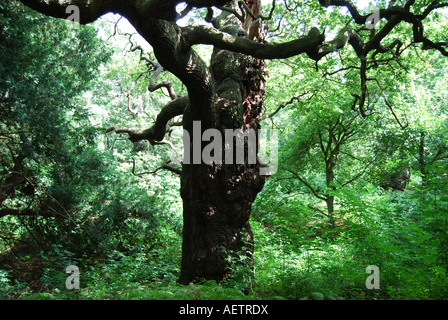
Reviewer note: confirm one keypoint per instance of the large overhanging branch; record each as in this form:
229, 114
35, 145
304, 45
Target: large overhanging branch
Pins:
384, 13
89, 10
207, 35
137, 10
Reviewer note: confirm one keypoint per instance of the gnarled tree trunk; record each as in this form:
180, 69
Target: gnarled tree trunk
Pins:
217, 198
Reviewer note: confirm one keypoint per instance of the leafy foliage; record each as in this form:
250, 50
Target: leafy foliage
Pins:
61, 87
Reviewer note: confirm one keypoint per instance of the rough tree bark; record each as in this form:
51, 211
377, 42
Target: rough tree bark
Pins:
217, 199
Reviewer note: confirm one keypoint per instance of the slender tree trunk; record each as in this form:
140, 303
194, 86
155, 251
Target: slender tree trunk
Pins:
330, 210
329, 175
421, 159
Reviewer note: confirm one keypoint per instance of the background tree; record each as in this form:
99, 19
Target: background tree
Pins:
328, 143
65, 195
39, 142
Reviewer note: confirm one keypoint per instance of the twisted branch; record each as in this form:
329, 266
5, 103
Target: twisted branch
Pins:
156, 133
163, 166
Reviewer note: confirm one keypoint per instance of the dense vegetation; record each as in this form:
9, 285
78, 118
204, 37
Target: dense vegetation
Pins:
349, 192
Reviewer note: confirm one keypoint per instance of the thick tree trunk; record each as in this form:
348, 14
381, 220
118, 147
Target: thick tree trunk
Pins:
217, 198
217, 201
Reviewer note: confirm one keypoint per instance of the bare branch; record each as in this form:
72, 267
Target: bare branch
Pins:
357, 17
153, 86
313, 191
156, 133
435, 4
232, 11
284, 105
388, 104
318, 210
357, 176
259, 16
163, 166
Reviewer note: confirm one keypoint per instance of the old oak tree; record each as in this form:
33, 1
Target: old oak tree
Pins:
228, 93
